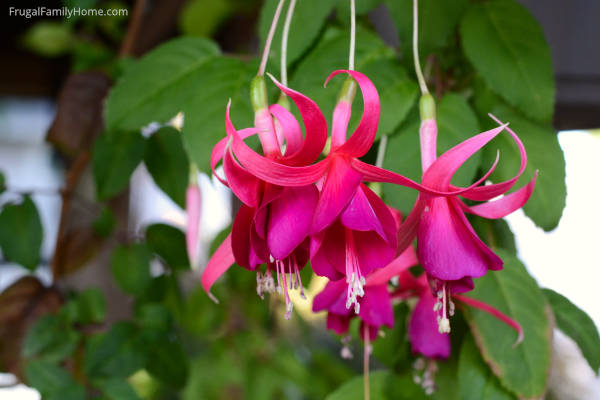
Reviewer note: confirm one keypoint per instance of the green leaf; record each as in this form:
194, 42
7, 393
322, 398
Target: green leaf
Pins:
117, 353
342, 10
475, 380
307, 22
353, 389
168, 362
114, 159
105, 223
169, 243
189, 75
577, 325
523, 369
437, 21
155, 88
49, 340
544, 154
202, 18
2, 182
131, 268
117, 389
91, 306
218, 81
397, 93
52, 381
154, 317
403, 387
456, 123
495, 232
507, 47
168, 164
21, 233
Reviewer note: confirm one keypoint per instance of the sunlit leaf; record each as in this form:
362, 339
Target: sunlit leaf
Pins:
507, 47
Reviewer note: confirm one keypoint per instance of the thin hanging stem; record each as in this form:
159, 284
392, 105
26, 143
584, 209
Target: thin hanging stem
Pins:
265, 54
420, 77
352, 35
367, 344
284, 41
381, 151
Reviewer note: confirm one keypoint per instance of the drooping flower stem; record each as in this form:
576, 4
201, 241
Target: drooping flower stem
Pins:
352, 35
418, 70
267, 48
366, 356
284, 41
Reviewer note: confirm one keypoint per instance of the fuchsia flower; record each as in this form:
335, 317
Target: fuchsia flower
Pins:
352, 231
447, 246
273, 224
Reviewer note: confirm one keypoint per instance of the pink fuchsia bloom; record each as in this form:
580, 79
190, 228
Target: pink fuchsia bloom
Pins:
447, 246
193, 206
272, 225
375, 307
352, 231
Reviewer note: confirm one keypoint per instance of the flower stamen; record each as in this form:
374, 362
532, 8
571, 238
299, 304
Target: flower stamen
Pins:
354, 278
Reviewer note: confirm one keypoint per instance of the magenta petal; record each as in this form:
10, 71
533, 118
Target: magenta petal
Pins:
328, 253
269, 170
243, 184
362, 139
376, 306
502, 207
401, 263
270, 194
332, 292
220, 262
240, 235
290, 219
338, 323
218, 152
448, 248
339, 187
440, 173
315, 126
259, 252
423, 330
339, 123
385, 215
490, 191
360, 216
290, 128
372, 251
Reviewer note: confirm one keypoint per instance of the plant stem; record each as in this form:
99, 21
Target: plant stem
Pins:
381, 151
265, 54
367, 344
284, 41
420, 77
352, 35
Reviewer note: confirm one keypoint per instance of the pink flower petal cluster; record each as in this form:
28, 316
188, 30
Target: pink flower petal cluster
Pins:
298, 208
